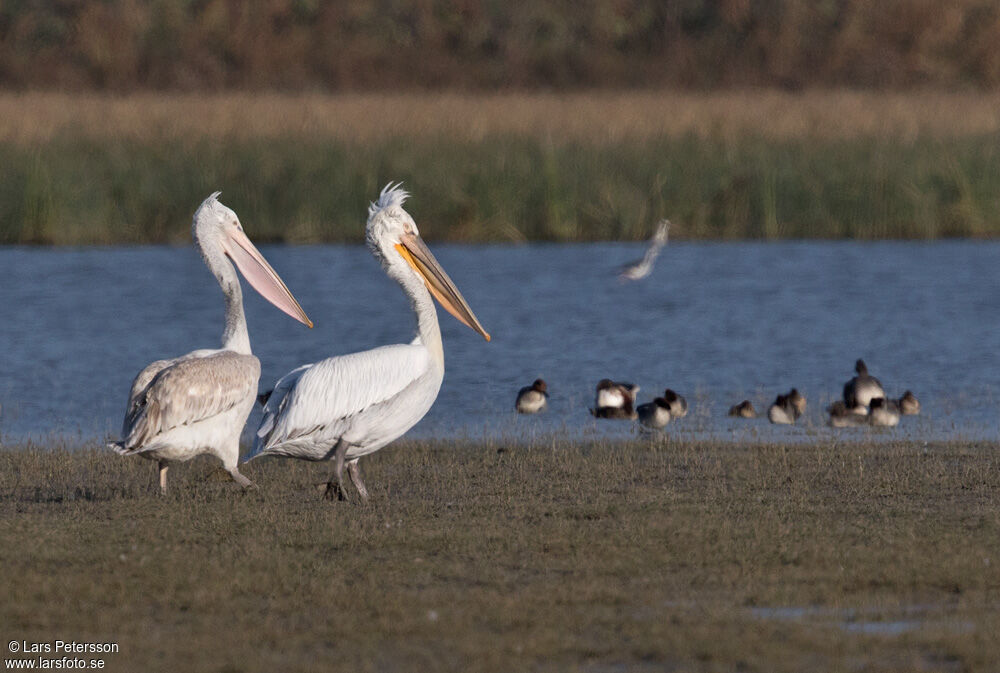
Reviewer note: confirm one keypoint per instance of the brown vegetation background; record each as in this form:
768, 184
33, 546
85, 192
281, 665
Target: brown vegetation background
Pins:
122, 45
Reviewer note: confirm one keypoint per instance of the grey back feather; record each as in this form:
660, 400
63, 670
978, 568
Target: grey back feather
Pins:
186, 391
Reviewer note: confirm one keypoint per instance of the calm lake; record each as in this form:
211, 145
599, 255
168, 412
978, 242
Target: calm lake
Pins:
718, 322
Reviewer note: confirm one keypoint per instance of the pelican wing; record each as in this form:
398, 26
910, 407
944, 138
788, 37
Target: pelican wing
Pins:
319, 403
186, 391
278, 398
136, 396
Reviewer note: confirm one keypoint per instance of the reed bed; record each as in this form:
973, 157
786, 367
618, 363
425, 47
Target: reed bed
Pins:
644, 555
505, 168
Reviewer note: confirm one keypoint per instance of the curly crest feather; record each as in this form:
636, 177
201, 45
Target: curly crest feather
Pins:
391, 195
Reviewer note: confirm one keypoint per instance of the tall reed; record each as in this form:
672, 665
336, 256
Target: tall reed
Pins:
505, 187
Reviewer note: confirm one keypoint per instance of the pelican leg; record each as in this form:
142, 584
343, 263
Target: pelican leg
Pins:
335, 487
245, 483
354, 469
163, 466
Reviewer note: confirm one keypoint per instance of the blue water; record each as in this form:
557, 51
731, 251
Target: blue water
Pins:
719, 322
870, 621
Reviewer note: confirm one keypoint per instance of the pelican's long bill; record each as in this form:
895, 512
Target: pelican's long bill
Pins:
413, 249
261, 276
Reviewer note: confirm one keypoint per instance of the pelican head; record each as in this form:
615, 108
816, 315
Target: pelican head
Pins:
218, 232
392, 235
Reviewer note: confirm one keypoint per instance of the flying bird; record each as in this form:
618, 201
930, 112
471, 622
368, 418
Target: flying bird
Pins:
349, 406
641, 268
198, 403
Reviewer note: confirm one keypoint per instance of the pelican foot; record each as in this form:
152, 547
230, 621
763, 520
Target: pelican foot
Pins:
331, 490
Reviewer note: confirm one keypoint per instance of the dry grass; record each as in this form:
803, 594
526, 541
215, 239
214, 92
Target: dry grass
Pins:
78, 170
594, 117
487, 557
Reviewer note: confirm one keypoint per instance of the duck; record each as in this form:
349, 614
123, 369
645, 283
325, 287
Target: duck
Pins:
884, 413
678, 405
861, 389
840, 408
615, 400
655, 414
842, 417
615, 394
532, 399
626, 413
786, 409
743, 410
909, 405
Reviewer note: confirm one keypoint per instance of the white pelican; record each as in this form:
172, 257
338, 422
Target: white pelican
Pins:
786, 409
641, 268
743, 410
655, 414
883, 412
861, 389
348, 406
678, 405
532, 399
909, 405
199, 402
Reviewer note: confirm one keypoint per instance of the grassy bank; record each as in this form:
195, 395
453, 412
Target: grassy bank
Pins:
555, 557
504, 168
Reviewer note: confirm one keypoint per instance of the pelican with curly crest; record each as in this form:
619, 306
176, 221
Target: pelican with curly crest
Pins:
349, 406
199, 402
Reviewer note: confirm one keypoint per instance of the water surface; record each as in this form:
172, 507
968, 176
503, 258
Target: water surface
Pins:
718, 322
